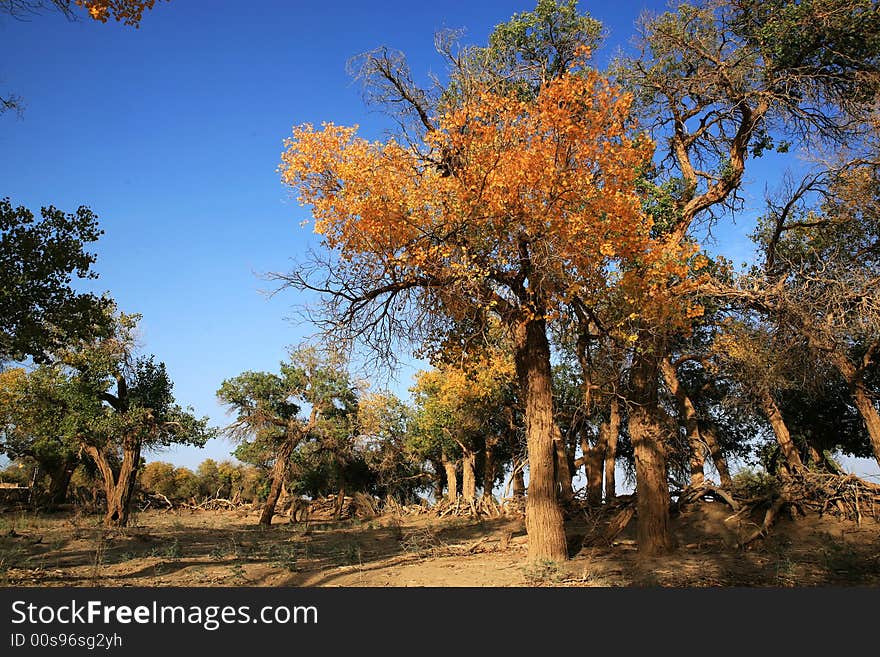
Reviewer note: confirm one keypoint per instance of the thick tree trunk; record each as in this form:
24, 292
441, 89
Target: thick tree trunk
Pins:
815, 455
594, 470
279, 470
544, 520
646, 433
780, 430
118, 489
108, 477
468, 476
451, 478
59, 481
709, 435
611, 450
689, 418
125, 484
869, 414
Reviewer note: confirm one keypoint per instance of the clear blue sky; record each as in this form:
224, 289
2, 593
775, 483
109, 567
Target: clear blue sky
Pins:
172, 134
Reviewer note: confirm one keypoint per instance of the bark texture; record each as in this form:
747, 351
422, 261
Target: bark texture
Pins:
646, 432
544, 519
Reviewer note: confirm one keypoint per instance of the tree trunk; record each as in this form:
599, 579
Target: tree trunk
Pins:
815, 455
279, 470
468, 477
869, 414
593, 458
862, 399
544, 519
439, 480
340, 502
688, 417
646, 433
709, 435
451, 478
519, 479
125, 484
611, 449
783, 437
117, 489
108, 477
59, 481
564, 472
489, 467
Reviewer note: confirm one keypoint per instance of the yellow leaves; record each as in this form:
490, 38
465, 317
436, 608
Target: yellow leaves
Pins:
700, 262
695, 311
12, 383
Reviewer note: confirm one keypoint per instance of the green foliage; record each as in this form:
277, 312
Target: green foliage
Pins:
312, 404
111, 394
829, 48
39, 310
99, 396
32, 412
385, 422
754, 484
544, 42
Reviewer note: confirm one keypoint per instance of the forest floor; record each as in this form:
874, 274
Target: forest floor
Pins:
227, 548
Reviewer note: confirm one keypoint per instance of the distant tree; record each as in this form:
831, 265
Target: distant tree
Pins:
39, 310
384, 422
214, 479
19, 472
267, 411
158, 477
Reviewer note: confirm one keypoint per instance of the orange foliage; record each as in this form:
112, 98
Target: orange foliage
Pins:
540, 207
128, 12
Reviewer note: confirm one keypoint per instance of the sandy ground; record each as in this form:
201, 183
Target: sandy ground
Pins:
227, 548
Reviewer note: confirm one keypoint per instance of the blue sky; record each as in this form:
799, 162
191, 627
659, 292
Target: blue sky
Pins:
172, 134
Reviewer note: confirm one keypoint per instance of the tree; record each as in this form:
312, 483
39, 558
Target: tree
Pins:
818, 280
98, 398
30, 415
539, 207
385, 424
717, 82
39, 310
765, 361
267, 410
116, 404
455, 409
